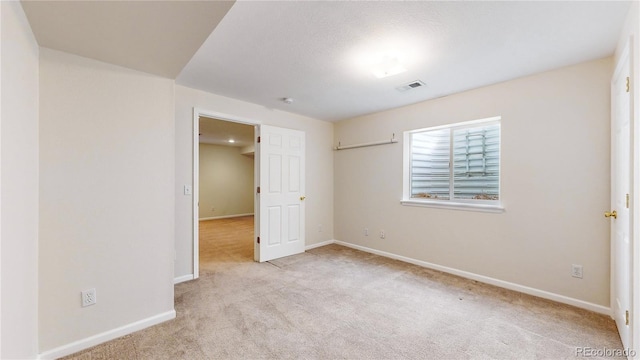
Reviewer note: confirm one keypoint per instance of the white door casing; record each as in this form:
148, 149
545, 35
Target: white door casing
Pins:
280, 225
621, 198
197, 113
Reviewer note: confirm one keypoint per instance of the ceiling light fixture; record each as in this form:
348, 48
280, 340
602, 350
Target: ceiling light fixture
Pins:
388, 66
287, 100
231, 141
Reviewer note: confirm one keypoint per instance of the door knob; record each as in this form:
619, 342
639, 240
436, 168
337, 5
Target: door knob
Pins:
613, 214
302, 197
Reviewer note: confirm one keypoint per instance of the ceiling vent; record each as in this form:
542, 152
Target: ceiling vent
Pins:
410, 86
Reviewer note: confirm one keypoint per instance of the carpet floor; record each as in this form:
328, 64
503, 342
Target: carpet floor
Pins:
334, 302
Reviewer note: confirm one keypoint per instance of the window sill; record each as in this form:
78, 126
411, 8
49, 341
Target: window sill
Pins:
454, 205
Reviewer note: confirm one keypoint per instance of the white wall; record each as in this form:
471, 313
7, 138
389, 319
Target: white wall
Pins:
226, 181
19, 179
106, 200
555, 184
319, 170
631, 34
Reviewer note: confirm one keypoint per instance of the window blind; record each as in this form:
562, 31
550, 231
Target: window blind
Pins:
430, 173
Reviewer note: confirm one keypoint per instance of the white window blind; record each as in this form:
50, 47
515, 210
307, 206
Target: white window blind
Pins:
460, 163
430, 172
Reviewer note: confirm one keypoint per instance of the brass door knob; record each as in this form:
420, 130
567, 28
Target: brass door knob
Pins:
302, 197
613, 214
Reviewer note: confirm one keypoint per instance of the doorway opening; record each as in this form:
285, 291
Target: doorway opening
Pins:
279, 170
224, 177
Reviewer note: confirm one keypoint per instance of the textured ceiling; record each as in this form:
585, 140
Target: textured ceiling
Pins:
157, 37
319, 52
315, 52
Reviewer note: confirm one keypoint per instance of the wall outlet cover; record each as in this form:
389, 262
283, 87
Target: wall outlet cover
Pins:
89, 297
576, 271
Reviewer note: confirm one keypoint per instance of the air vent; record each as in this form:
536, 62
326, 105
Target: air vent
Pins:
410, 86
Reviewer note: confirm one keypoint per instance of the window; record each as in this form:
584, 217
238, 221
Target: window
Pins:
454, 166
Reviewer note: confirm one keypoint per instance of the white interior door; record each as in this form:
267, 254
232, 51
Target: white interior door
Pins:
280, 224
620, 199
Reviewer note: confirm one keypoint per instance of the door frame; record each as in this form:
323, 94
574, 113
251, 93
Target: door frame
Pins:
195, 228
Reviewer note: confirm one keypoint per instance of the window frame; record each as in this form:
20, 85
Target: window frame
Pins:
495, 206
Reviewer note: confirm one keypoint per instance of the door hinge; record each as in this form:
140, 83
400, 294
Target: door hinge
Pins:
626, 317
258, 240
258, 190
259, 136
628, 84
627, 200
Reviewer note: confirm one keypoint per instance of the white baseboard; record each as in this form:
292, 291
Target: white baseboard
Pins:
485, 279
224, 217
182, 278
324, 243
106, 336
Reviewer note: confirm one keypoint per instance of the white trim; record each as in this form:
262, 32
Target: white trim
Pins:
195, 193
320, 244
225, 217
197, 113
491, 206
256, 196
487, 280
225, 117
486, 121
452, 205
183, 278
94, 340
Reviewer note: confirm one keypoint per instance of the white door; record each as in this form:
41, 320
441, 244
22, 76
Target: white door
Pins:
620, 199
280, 223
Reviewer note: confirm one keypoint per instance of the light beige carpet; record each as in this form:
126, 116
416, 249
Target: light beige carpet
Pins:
338, 303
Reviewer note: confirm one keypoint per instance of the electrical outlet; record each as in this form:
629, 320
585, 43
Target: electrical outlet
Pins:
89, 297
188, 190
576, 271
382, 235
213, 209
366, 232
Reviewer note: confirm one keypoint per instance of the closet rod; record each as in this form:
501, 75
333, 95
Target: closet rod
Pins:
384, 142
